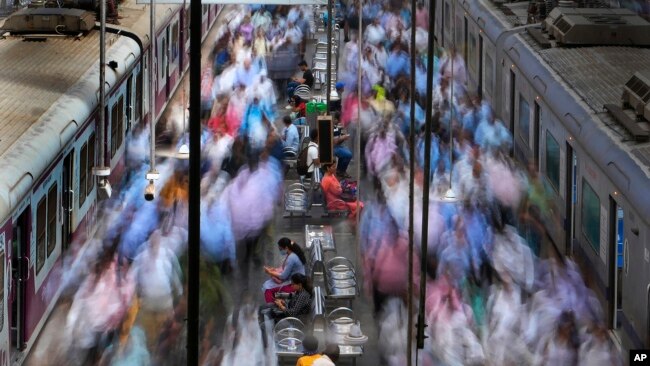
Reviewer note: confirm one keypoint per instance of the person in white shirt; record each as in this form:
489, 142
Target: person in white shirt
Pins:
313, 161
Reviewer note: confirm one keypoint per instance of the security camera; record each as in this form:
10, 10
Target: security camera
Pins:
150, 191
104, 189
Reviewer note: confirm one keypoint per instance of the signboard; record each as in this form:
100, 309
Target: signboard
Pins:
325, 139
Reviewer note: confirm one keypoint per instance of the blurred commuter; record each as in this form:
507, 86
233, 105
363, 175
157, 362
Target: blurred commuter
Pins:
158, 277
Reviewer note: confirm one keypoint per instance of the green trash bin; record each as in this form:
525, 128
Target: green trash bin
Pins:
321, 107
311, 107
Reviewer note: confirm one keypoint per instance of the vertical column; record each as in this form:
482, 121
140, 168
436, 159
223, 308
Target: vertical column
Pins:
195, 186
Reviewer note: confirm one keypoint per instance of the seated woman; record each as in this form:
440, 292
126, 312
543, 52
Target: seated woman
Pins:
298, 106
293, 263
299, 303
333, 192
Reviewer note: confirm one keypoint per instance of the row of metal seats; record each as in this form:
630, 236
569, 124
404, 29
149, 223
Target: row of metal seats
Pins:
337, 275
319, 61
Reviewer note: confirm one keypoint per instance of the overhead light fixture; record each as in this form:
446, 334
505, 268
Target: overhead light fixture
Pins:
152, 175
450, 196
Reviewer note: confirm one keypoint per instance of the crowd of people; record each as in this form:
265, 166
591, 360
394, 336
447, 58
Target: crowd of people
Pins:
491, 298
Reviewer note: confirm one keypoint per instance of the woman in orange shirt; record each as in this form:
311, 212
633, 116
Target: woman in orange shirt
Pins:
333, 192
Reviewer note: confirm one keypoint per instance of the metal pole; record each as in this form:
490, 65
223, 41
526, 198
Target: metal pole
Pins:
409, 300
427, 173
329, 54
451, 101
193, 252
360, 45
152, 85
102, 83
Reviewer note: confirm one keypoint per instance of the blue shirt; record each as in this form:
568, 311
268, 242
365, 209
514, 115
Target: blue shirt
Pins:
291, 266
397, 64
291, 137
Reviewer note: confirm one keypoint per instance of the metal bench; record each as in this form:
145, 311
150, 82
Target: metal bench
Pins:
339, 322
319, 323
288, 334
296, 200
323, 233
628, 123
341, 280
316, 263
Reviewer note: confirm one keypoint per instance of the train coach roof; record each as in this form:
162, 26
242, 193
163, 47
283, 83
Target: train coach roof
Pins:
48, 89
603, 139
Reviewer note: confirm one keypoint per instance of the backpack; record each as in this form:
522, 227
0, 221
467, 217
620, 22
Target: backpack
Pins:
301, 164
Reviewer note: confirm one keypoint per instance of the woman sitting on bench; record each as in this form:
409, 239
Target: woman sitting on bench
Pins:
333, 193
293, 263
299, 301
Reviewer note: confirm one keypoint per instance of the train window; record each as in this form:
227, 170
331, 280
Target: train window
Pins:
489, 72
590, 215
52, 196
552, 165
91, 162
471, 51
138, 96
175, 43
117, 127
41, 220
447, 15
524, 118
83, 173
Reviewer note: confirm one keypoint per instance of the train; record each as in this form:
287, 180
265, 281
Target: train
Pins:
571, 82
49, 118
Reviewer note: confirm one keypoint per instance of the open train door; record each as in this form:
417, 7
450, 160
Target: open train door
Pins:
19, 277
67, 200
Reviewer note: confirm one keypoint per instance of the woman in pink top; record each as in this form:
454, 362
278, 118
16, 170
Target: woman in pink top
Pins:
332, 191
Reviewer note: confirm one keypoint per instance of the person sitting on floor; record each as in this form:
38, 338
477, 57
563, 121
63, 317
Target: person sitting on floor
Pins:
280, 281
334, 193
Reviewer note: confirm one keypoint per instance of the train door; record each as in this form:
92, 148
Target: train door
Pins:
571, 165
67, 201
536, 127
19, 277
648, 314
465, 40
512, 108
165, 64
618, 262
129, 101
